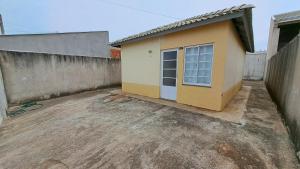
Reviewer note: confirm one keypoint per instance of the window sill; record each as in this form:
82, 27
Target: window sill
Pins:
197, 85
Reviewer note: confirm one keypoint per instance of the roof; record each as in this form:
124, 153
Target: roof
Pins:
240, 15
287, 18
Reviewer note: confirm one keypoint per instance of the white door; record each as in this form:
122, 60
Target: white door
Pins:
168, 88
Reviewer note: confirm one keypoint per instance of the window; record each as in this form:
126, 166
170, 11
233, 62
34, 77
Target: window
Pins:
169, 68
198, 65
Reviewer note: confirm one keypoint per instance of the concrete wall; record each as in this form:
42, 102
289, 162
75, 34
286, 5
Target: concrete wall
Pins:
283, 83
255, 64
93, 44
30, 76
3, 101
274, 32
273, 40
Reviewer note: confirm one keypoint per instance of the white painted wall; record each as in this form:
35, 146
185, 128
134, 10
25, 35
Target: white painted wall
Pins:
141, 62
273, 40
274, 32
255, 64
29, 76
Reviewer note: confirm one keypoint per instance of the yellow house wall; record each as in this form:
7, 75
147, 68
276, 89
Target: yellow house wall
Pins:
141, 68
217, 34
234, 64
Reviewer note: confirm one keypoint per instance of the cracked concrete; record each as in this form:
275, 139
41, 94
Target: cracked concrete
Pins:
103, 129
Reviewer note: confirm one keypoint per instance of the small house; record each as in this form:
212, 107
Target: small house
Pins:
197, 61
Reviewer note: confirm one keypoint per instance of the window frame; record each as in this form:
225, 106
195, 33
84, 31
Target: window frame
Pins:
212, 63
161, 65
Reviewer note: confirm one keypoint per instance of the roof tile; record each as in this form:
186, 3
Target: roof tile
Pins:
188, 21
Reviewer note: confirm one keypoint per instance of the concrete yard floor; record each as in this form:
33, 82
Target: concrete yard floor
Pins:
233, 112
105, 130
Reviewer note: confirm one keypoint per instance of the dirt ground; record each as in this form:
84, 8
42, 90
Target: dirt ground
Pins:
107, 130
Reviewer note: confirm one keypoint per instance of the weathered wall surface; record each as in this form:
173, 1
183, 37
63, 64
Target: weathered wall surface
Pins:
273, 40
274, 32
38, 76
3, 102
93, 44
255, 64
283, 83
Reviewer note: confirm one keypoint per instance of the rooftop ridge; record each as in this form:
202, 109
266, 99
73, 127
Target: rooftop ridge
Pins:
185, 22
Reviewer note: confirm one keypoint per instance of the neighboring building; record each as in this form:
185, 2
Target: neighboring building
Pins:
282, 77
255, 64
94, 44
2, 32
198, 61
283, 28
115, 53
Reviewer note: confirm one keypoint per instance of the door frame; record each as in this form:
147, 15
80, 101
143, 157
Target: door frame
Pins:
161, 69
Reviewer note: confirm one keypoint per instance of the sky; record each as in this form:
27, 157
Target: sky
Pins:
126, 17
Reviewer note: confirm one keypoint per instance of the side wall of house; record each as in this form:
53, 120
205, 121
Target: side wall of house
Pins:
199, 96
234, 64
34, 76
3, 102
141, 68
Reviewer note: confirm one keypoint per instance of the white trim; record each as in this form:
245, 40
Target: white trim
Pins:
161, 69
169, 77
196, 76
212, 61
161, 64
170, 60
170, 68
